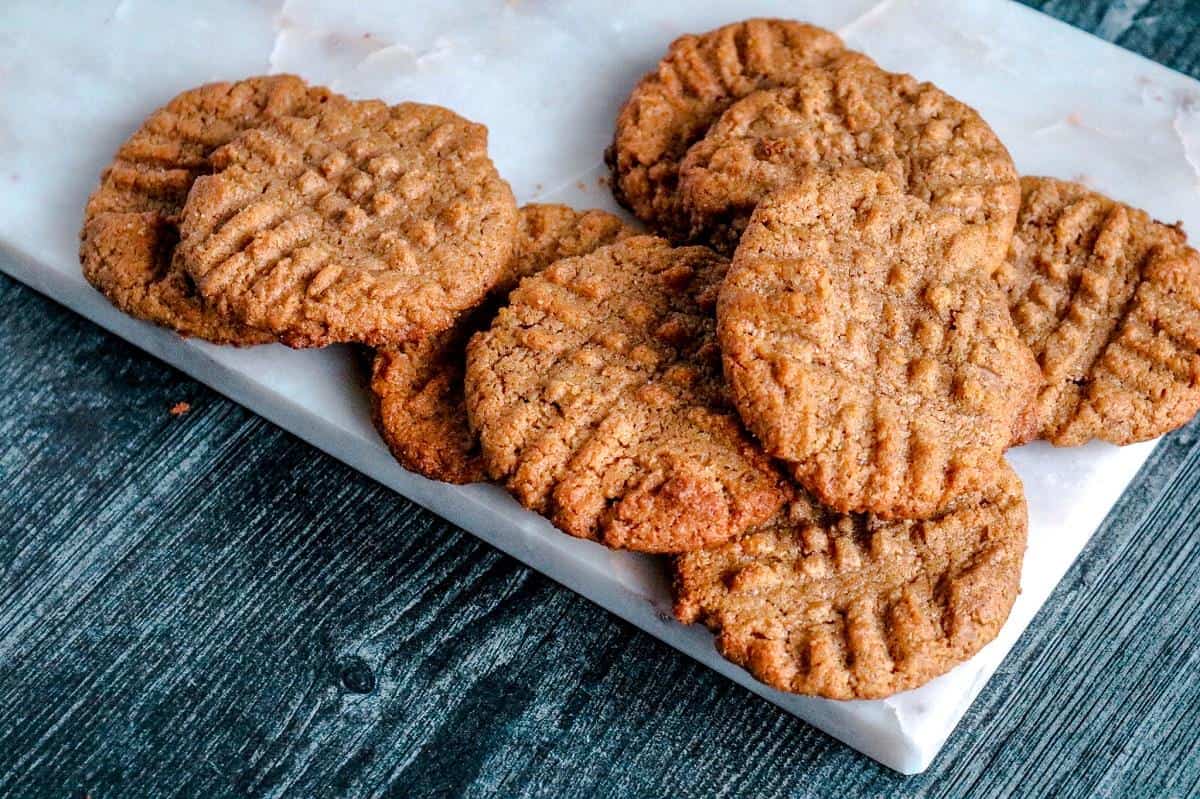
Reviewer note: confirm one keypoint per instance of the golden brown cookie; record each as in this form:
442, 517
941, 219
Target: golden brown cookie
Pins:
417, 389
1109, 300
130, 225
864, 347
364, 223
672, 107
856, 607
548, 232
850, 113
599, 401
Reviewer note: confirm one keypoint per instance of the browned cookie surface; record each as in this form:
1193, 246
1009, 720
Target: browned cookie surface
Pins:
850, 113
418, 406
856, 607
1109, 300
130, 225
864, 347
547, 232
417, 388
672, 107
364, 223
599, 401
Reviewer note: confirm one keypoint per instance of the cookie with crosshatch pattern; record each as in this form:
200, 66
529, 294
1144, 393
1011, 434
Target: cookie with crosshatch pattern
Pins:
417, 389
362, 223
599, 401
1109, 300
131, 222
672, 107
846, 113
858, 607
867, 345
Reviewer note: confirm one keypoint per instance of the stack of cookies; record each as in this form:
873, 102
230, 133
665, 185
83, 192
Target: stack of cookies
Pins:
801, 388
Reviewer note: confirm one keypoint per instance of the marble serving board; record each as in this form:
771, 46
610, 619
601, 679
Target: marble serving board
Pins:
547, 78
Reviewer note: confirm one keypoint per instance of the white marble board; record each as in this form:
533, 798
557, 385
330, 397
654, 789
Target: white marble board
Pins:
547, 78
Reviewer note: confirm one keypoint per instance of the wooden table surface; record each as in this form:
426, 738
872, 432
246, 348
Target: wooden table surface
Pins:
202, 605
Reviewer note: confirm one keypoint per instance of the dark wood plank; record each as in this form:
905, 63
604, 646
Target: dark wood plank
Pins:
205, 606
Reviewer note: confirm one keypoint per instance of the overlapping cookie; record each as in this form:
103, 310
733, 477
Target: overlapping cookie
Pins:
856, 607
598, 397
362, 223
866, 345
1109, 300
417, 389
672, 107
130, 225
848, 113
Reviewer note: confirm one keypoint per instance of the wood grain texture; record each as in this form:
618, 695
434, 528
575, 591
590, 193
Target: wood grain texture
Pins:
203, 605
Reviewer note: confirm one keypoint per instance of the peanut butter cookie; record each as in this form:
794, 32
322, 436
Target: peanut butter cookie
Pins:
131, 223
598, 397
417, 389
363, 223
1109, 300
850, 113
672, 107
856, 607
864, 345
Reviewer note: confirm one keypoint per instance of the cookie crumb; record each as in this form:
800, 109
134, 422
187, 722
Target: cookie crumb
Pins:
180, 408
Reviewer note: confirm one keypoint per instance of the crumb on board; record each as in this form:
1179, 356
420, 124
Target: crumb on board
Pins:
180, 408
581, 185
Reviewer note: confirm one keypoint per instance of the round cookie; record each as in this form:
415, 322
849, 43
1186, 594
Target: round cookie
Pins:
672, 107
864, 347
857, 607
364, 223
1109, 300
598, 397
844, 114
130, 225
417, 389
